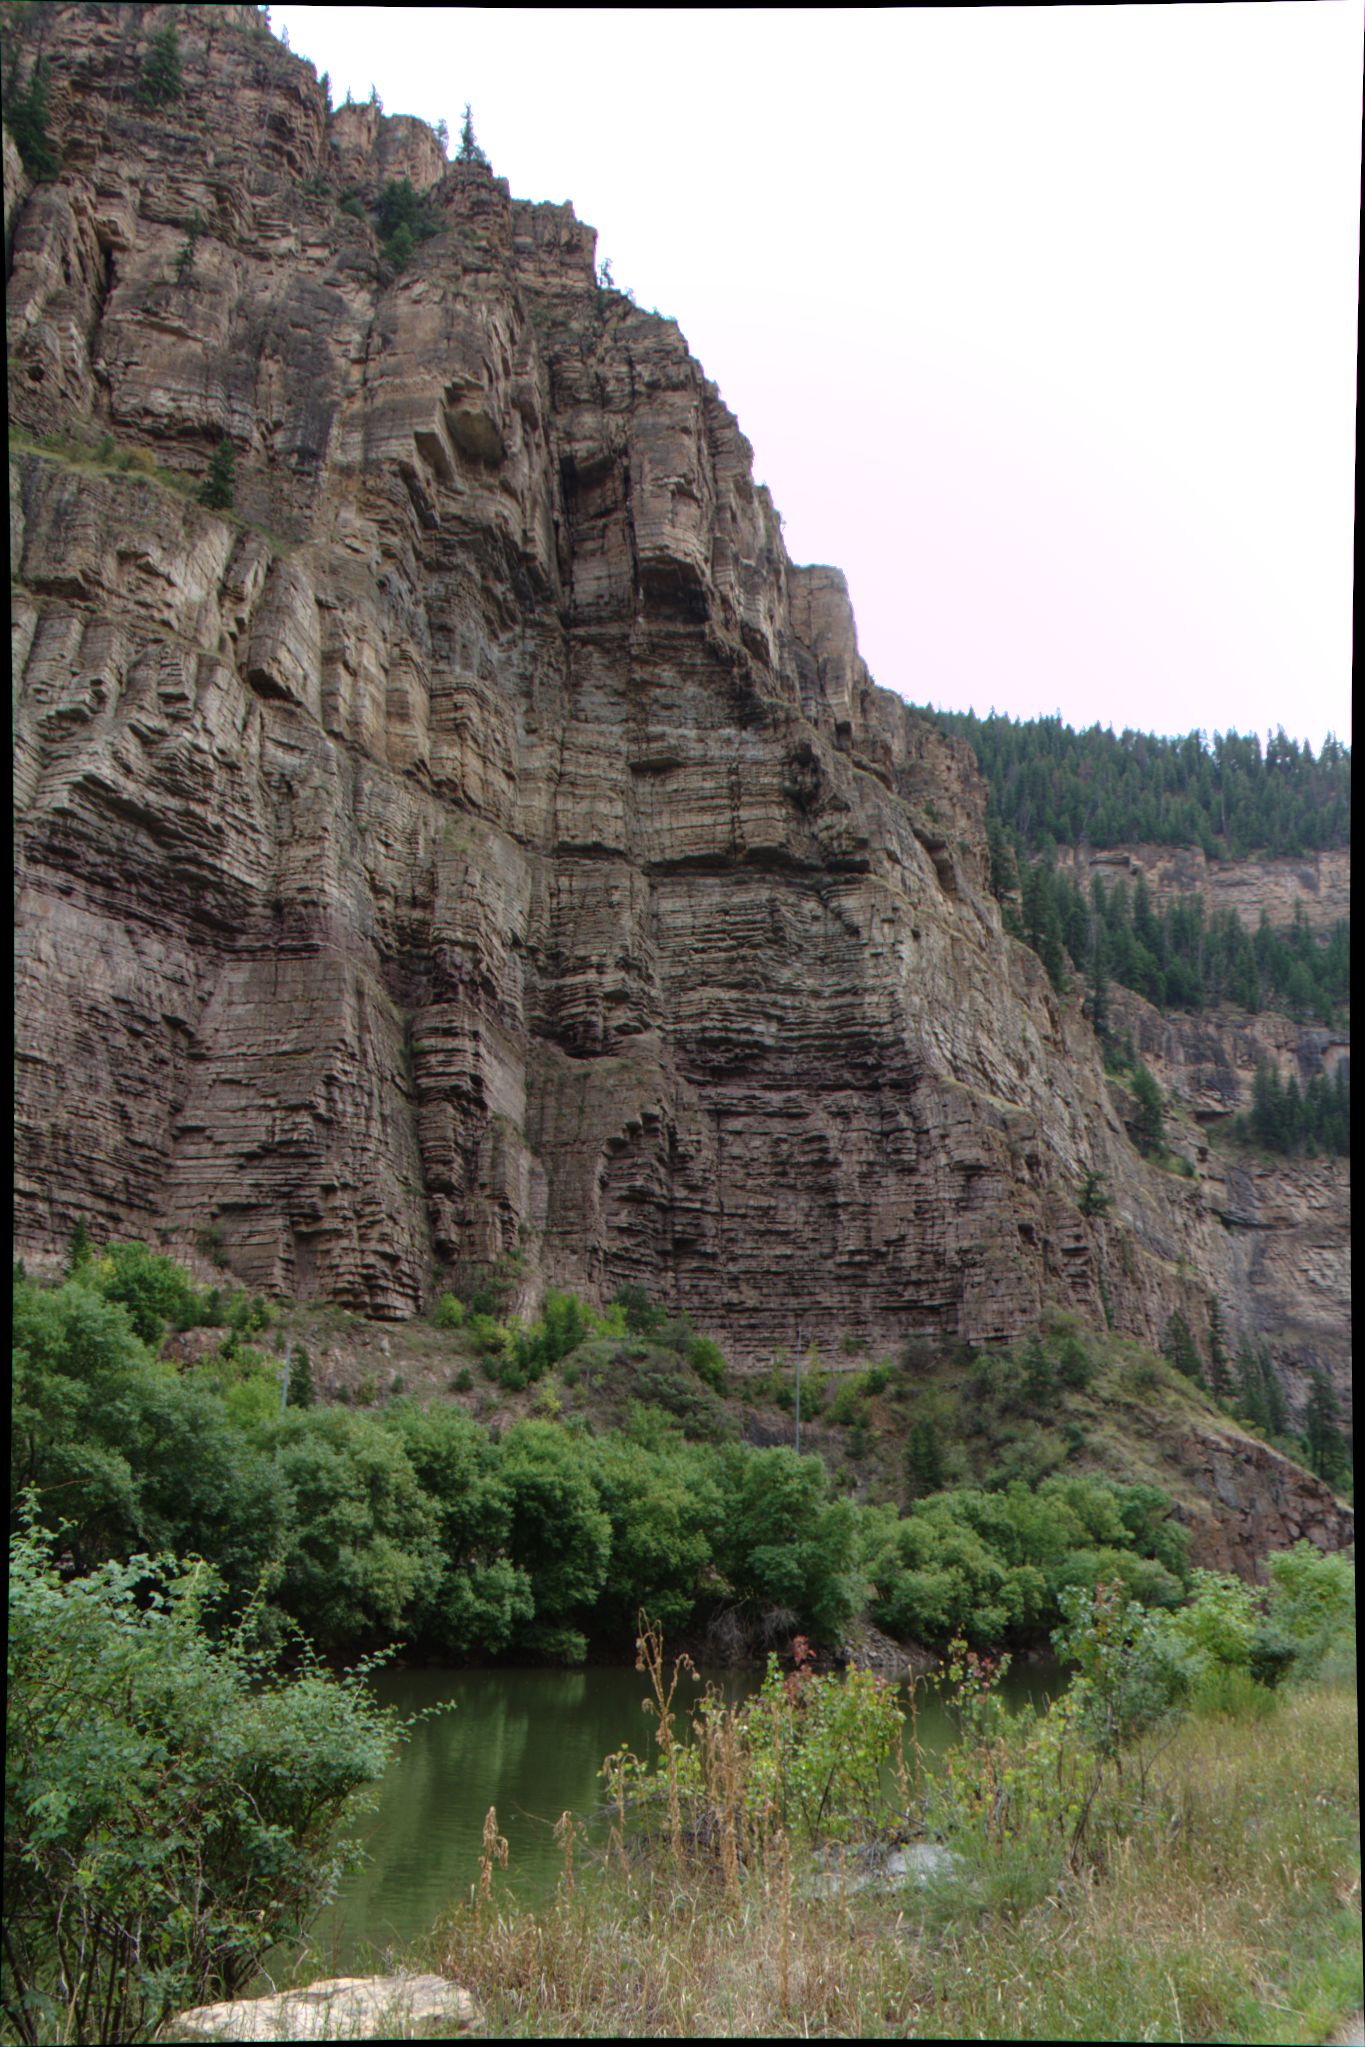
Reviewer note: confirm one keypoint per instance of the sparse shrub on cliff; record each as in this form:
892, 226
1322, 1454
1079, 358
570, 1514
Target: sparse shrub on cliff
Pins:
161, 82
184, 262
403, 219
219, 488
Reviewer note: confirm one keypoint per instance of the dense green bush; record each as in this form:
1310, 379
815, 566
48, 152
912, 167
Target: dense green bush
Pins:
784, 1543
559, 1534
154, 1289
480, 1598
991, 1565
171, 1804
448, 1313
132, 1455
363, 1549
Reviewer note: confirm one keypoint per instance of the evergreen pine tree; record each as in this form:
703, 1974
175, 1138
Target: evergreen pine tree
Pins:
1040, 1379
1178, 1345
1218, 1355
79, 1247
923, 1460
26, 118
161, 81
1097, 995
1149, 1123
219, 487
301, 1392
1092, 1199
469, 151
1326, 1450
1251, 1400
1276, 1406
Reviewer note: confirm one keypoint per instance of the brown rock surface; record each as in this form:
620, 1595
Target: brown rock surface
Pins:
1319, 883
486, 838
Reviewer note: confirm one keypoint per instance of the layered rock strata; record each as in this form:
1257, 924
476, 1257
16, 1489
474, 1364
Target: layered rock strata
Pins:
484, 843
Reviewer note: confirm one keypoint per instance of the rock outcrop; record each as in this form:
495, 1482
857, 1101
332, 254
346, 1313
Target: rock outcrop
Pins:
1319, 884
484, 842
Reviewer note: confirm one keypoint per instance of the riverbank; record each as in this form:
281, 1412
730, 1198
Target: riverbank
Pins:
1229, 1911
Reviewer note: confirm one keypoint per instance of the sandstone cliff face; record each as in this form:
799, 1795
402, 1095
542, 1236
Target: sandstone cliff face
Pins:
1317, 883
487, 840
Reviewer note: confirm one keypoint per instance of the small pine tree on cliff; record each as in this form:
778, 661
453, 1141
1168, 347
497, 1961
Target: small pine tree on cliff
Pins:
219, 488
1149, 1124
161, 80
470, 151
26, 117
1327, 1453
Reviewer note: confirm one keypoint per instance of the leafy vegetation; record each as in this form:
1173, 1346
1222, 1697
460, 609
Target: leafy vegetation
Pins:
1169, 1849
423, 1524
172, 1803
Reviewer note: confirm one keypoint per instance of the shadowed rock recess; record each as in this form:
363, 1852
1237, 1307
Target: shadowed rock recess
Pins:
485, 838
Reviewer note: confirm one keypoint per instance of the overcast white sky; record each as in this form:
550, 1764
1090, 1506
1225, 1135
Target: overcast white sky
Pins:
1042, 321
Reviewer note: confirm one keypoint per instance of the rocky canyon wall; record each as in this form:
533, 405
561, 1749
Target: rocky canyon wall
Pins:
484, 842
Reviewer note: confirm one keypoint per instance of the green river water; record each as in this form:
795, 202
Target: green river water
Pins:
531, 1743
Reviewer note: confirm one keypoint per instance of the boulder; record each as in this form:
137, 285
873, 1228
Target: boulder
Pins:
338, 2008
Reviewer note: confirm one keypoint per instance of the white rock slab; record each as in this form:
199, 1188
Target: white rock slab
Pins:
338, 2008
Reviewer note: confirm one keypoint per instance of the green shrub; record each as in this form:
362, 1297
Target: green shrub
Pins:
783, 1543
643, 1317
1074, 1367
448, 1313
362, 1549
153, 1288
171, 1806
476, 1598
1309, 1626
707, 1360
491, 1337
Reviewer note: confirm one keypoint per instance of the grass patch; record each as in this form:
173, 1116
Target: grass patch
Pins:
1226, 1912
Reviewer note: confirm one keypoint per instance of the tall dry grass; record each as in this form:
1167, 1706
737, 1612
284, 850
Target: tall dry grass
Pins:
1230, 1911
